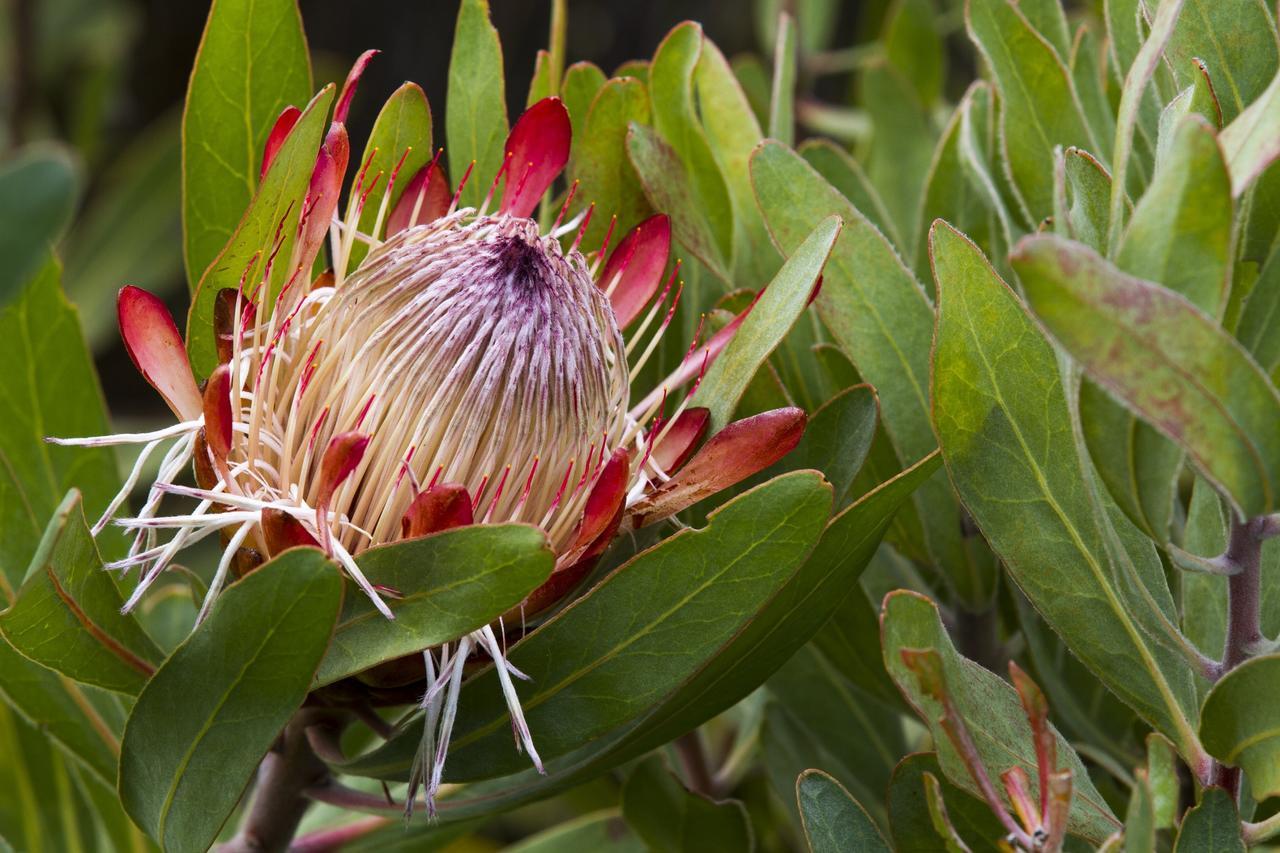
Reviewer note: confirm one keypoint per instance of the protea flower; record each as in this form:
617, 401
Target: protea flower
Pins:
468, 370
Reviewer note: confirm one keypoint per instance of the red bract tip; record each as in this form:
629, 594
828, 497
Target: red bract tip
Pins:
279, 133
217, 411
537, 150
282, 531
340, 458
601, 518
349, 87
322, 194
428, 193
736, 452
437, 508
675, 447
634, 270
151, 338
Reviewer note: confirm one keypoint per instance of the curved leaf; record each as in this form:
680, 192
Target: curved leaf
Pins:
476, 119
448, 585
251, 64
833, 820
1238, 723
214, 708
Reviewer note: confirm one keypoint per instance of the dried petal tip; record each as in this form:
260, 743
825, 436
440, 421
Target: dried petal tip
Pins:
152, 341
282, 531
676, 443
537, 150
341, 457
217, 412
634, 271
349, 87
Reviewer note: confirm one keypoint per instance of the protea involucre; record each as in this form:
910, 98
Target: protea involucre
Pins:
468, 370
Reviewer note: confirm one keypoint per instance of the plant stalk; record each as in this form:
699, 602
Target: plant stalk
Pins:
278, 800
697, 769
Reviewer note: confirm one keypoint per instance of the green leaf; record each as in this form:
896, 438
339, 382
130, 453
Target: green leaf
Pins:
1237, 723
1249, 142
1236, 39
130, 231
449, 584
840, 170
1162, 776
817, 718
476, 119
789, 619
1088, 75
901, 147
732, 133
669, 188
600, 162
251, 64
850, 642
1166, 359
1197, 99
781, 304
1039, 107
909, 817
833, 820
685, 598
402, 129
989, 707
1089, 185
67, 615
879, 315
62, 711
1180, 232
276, 208
213, 709
1213, 824
1002, 417
914, 47
782, 100
54, 394
582, 83
39, 189
673, 819
949, 193
671, 85
1140, 819
598, 832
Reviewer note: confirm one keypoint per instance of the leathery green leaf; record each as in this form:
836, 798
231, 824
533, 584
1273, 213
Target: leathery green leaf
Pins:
1140, 818
56, 394
1236, 39
686, 598
668, 187
1167, 360
1180, 232
909, 809
879, 315
67, 615
833, 820
276, 208
582, 82
1237, 723
1002, 418
1214, 824
600, 162
251, 64
1251, 143
733, 132
39, 189
449, 584
401, 130
781, 304
673, 819
839, 169
1039, 107
671, 84
901, 146
989, 707
213, 709
789, 619
476, 116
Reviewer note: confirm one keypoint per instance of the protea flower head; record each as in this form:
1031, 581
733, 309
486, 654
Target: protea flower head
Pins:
467, 370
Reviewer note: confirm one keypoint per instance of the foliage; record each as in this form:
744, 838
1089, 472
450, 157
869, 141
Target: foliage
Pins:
1040, 367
